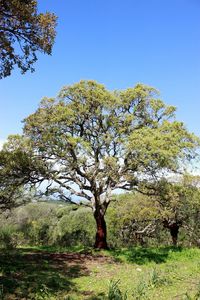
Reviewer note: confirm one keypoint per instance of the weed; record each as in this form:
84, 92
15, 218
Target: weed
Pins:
157, 279
43, 293
115, 293
154, 280
140, 291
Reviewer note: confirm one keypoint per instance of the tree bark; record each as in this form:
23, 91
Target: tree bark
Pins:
101, 234
173, 227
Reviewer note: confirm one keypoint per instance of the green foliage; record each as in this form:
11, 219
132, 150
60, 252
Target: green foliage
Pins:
134, 218
50, 224
130, 129
18, 172
115, 293
89, 141
23, 32
43, 293
61, 225
156, 279
140, 291
129, 213
37, 221
10, 237
75, 227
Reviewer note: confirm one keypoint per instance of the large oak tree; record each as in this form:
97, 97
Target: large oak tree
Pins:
91, 142
23, 32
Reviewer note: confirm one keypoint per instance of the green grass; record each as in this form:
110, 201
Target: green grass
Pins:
77, 273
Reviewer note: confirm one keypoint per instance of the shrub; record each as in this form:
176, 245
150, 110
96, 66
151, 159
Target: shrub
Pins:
9, 237
74, 228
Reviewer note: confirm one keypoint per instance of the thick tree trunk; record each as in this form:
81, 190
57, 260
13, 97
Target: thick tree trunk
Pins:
173, 227
101, 234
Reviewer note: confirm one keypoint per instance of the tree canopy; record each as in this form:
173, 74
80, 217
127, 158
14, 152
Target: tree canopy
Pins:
23, 32
90, 142
19, 171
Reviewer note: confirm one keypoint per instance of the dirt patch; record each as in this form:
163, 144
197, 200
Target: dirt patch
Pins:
71, 258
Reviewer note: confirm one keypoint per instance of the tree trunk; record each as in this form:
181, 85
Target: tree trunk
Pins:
101, 234
173, 227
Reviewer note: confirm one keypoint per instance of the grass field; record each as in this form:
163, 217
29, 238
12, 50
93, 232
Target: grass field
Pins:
142, 273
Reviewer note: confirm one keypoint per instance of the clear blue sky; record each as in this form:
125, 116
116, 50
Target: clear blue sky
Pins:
117, 43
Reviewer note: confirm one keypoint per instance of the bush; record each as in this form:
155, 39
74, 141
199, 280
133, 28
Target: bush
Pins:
10, 237
74, 228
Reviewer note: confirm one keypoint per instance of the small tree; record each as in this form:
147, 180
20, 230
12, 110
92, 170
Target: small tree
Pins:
93, 142
23, 32
179, 204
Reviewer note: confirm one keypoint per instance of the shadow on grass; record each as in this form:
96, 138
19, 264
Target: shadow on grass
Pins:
142, 256
100, 296
27, 274
34, 274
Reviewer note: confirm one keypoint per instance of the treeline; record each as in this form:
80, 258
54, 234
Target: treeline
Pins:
132, 219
